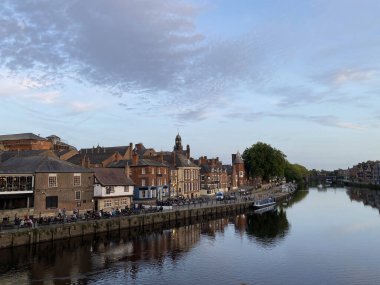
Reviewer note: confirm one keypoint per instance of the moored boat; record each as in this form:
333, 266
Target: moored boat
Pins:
263, 203
265, 209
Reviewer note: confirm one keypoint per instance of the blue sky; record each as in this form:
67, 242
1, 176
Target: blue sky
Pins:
302, 76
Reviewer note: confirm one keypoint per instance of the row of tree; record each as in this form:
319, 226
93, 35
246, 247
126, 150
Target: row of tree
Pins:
262, 160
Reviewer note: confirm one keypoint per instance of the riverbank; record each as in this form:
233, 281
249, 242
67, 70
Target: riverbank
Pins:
30, 236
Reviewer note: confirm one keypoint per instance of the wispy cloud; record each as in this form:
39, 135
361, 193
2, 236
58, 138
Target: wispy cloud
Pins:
324, 120
77, 107
47, 98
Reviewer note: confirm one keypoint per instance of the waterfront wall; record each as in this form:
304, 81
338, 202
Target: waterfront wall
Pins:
30, 236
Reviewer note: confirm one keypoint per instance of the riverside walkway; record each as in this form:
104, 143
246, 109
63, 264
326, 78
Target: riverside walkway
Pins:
38, 232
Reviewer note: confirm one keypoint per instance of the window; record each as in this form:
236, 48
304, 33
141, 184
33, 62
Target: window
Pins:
124, 202
143, 182
158, 170
107, 203
51, 202
164, 170
153, 182
77, 179
142, 170
52, 182
241, 174
77, 195
152, 170
126, 188
110, 189
116, 203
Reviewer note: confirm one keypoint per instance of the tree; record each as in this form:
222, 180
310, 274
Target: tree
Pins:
262, 160
296, 172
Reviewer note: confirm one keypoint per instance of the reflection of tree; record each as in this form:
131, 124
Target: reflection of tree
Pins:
298, 196
268, 228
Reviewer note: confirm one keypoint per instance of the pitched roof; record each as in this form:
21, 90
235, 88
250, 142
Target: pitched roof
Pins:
5, 155
24, 136
40, 164
238, 158
75, 159
141, 162
112, 177
109, 150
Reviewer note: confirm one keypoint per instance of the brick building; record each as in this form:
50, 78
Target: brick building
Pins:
238, 176
25, 141
40, 185
30, 141
151, 177
101, 156
214, 176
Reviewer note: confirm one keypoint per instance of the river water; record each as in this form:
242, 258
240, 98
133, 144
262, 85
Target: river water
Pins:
321, 237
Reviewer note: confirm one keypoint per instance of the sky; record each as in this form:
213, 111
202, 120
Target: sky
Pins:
302, 76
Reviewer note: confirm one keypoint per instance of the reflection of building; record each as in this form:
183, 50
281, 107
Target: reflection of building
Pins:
366, 196
42, 184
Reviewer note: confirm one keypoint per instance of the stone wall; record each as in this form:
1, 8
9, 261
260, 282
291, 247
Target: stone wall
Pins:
28, 236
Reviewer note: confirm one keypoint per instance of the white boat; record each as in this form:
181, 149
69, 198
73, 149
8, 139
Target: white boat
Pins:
265, 209
263, 203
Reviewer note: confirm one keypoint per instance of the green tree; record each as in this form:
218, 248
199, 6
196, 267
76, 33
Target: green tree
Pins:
296, 172
262, 160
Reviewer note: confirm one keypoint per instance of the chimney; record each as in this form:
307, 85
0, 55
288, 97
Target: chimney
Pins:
127, 170
129, 155
187, 151
135, 158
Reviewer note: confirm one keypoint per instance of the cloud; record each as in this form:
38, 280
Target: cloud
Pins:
136, 48
350, 75
47, 98
324, 120
77, 107
347, 75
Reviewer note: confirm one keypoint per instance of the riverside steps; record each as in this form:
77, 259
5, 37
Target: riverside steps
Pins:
169, 218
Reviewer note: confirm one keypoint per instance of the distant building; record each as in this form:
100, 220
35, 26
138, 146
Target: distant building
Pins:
213, 176
101, 156
30, 141
239, 177
184, 173
25, 141
151, 178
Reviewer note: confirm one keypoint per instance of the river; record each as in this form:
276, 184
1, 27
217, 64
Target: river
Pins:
328, 236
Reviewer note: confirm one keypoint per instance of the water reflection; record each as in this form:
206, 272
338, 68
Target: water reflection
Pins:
366, 196
89, 259
296, 198
268, 228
